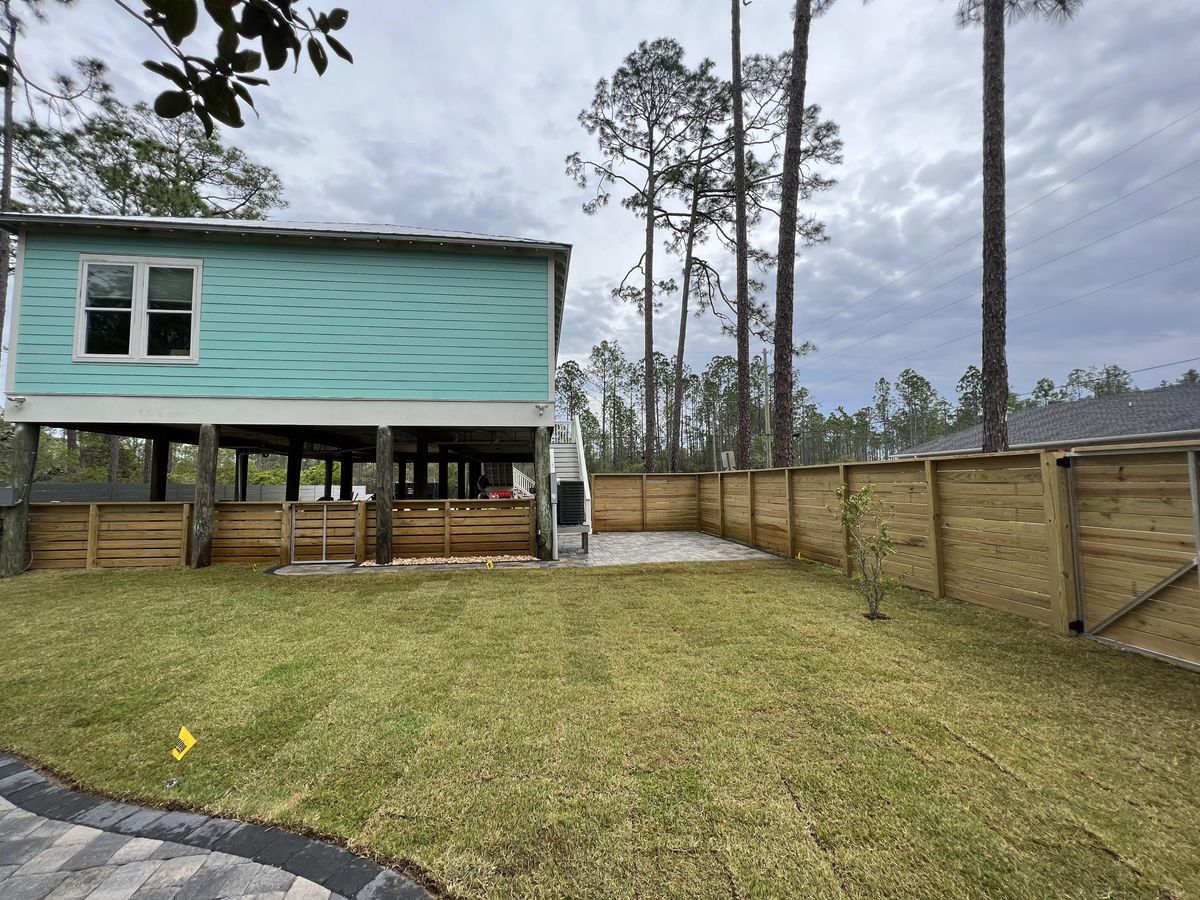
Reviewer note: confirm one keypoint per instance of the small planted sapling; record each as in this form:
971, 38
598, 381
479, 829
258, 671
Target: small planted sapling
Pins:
866, 523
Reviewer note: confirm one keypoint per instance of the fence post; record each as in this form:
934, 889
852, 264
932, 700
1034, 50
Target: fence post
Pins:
750, 504
787, 498
445, 528
935, 527
285, 534
698, 516
186, 526
360, 532
93, 534
1064, 601
643, 501
721, 503
842, 476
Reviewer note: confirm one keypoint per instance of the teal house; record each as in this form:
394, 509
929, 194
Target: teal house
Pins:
358, 343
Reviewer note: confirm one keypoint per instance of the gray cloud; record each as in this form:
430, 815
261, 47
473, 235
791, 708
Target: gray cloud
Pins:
460, 115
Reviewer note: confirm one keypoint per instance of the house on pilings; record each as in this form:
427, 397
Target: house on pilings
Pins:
343, 343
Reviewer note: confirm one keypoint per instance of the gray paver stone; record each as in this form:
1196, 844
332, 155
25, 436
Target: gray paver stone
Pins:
32, 887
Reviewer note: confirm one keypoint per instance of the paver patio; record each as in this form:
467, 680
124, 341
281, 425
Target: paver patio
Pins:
617, 549
125, 851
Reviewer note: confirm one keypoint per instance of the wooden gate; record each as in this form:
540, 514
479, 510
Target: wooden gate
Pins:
1136, 523
323, 532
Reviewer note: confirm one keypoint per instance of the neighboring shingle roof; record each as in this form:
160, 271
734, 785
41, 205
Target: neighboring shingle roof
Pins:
1175, 408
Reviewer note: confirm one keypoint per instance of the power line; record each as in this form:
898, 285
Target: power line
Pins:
1015, 250
1011, 278
1025, 315
1032, 202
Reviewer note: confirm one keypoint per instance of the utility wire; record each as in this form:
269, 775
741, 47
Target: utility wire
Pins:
1025, 315
1011, 278
1032, 202
1013, 250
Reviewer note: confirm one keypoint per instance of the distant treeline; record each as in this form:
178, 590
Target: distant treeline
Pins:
606, 391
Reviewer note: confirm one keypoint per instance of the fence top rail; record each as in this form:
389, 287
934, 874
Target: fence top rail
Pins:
148, 503
894, 461
517, 502
269, 502
1106, 449
514, 502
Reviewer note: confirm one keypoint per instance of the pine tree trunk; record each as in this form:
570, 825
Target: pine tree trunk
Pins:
648, 316
677, 412
995, 363
743, 275
786, 272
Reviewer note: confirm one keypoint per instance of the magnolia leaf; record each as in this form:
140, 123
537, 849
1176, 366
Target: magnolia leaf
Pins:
166, 70
317, 54
170, 104
336, 46
180, 18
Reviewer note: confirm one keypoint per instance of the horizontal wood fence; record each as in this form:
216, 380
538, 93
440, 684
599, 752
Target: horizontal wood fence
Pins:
1061, 542
108, 535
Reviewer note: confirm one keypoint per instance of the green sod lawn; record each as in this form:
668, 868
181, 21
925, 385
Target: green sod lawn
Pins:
708, 730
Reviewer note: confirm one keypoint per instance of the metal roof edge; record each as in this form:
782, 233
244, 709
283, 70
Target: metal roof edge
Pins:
236, 226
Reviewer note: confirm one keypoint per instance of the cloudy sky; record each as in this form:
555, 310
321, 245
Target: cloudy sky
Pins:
459, 114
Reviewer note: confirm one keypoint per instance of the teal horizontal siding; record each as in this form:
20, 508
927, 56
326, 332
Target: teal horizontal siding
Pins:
312, 322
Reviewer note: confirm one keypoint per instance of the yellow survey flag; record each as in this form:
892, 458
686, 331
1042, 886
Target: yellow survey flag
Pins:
183, 743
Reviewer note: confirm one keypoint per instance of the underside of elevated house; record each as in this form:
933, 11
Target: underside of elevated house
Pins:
430, 355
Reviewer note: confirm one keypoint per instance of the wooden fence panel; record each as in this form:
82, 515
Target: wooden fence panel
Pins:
710, 503
441, 528
737, 506
616, 503
994, 542
490, 528
1135, 527
818, 534
58, 535
140, 535
672, 503
247, 532
418, 529
771, 511
902, 491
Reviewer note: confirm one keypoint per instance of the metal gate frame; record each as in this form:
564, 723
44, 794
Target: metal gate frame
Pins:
324, 537
1093, 630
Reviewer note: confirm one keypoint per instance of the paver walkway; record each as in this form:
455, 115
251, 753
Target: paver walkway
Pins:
61, 844
616, 549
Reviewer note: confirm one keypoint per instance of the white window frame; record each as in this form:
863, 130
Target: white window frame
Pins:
139, 312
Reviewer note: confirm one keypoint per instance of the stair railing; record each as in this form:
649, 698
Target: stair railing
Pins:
577, 433
522, 482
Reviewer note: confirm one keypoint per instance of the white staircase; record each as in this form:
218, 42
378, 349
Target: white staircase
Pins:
566, 462
507, 477
573, 495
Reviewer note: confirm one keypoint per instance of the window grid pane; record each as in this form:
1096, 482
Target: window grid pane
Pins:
109, 286
108, 333
163, 297
170, 288
169, 334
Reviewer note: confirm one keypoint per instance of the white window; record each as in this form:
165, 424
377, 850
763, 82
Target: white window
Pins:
138, 309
